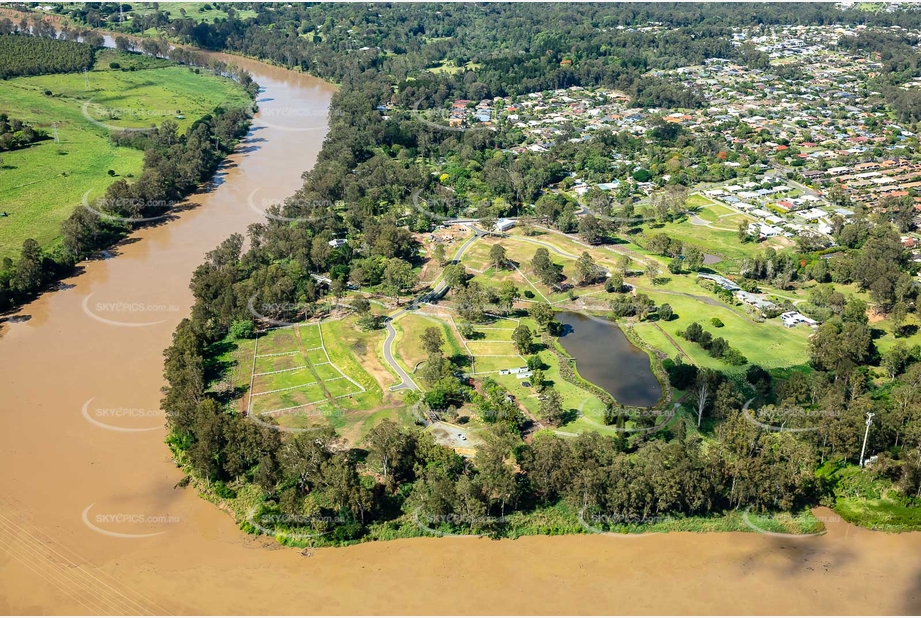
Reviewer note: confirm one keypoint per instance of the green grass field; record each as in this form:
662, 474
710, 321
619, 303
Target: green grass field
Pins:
407, 346
879, 514
41, 185
769, 344
574, 397
193, 10
308, 375
448, 66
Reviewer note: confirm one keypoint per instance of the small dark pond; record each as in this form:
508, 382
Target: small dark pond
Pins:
606, 358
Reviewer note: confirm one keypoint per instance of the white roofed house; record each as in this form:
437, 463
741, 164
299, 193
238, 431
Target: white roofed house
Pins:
792, 318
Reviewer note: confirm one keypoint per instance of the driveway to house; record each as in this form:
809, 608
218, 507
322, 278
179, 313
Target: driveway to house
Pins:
406, 381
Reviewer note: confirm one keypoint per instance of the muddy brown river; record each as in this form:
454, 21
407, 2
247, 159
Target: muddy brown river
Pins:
90, 521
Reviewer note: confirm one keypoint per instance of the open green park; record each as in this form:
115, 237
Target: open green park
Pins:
205, 12
42, 184
766, 343
309, 382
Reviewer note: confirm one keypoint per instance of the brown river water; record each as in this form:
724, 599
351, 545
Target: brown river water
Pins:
90, 521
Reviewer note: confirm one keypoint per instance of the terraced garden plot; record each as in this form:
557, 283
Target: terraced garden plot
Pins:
492, 348
276, 341
284, 379
326, 371
266, 364
287, 399
509, 324
490, 334
484, 364
339, 387
316, 357
296, 382
310, 336
302, 418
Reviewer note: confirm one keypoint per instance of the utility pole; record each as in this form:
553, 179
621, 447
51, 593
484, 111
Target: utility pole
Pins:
56, 138
86, 80
865, 435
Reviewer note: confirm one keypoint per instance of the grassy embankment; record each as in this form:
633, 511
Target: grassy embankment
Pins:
41, 185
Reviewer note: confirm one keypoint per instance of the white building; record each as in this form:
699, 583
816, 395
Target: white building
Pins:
792, 318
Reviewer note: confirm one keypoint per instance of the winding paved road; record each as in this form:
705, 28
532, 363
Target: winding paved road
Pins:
406, 381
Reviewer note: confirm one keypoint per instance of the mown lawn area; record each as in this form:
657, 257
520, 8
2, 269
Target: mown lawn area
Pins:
709, 239
407, 347
769, 344
41, 185
192, 10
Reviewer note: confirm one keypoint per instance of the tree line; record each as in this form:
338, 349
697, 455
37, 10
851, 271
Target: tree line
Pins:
174, 165
15, 133
21, 54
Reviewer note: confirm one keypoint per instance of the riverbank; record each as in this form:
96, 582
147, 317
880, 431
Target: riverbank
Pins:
247, 506
66, 474
67, 233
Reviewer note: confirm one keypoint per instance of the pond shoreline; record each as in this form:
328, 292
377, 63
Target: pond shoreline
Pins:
625, 376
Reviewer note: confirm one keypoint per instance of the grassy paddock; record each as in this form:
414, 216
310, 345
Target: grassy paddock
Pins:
879, 514
42, 184
193, 10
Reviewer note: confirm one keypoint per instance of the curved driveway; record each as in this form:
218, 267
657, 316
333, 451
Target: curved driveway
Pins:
406, 381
